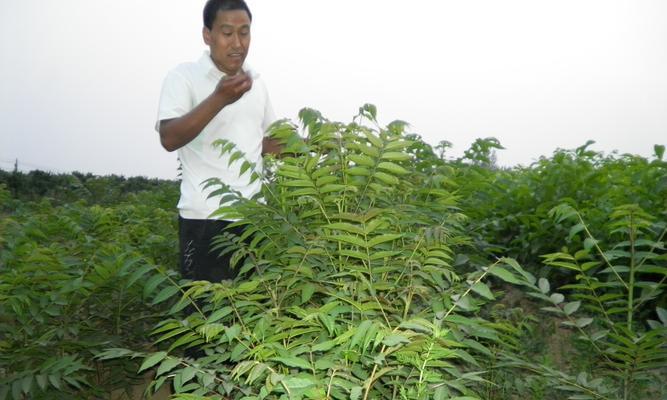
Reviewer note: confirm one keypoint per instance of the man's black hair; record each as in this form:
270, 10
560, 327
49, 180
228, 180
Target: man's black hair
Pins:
213, 6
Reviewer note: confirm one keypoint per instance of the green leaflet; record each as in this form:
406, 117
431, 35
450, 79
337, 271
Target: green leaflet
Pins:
152, 360
362, 160
483, 290
295, 362
346, 227
385, 178
348, 239
393, 168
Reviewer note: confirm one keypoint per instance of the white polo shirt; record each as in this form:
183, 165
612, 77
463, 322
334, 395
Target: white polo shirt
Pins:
243, 122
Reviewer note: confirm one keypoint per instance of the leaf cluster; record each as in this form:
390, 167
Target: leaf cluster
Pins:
348, 285
508, 208
612, 307
74, 280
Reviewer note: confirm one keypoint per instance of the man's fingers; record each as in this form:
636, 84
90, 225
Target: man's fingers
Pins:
244, 85
248, 83
239, 81
237, 77
233, 87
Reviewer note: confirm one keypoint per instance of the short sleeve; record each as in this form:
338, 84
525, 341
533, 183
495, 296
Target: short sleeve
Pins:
176, 98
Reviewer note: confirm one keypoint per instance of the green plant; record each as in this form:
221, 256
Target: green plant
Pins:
5, 196
521, 334
508, 208
615, 284
349, 289
482, 152
70, 287
69, 188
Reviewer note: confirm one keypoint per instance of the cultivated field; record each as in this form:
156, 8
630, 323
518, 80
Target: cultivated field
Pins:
375, 268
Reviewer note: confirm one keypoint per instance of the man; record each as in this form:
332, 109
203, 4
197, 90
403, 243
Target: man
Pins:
217, 97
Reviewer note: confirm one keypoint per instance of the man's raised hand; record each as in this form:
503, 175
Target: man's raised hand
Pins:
231, 88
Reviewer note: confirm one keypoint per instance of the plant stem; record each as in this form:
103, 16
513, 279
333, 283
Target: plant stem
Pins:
118, 311
631, 291
597, 247
453, 307
371, 379
421, 370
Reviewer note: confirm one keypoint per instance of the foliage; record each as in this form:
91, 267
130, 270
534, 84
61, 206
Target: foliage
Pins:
68, 188
365, 273
70, 287
615, 282
482, 153
349, 288
508, 208
5, 197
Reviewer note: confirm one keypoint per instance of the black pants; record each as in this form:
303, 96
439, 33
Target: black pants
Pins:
198, 262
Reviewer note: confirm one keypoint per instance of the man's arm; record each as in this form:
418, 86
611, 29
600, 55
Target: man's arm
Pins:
177, 132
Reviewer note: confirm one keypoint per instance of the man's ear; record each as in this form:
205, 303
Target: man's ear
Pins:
206, 34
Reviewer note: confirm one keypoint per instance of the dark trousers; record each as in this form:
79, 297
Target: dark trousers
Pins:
198, 262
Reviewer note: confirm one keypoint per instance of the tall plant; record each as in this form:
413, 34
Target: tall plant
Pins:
348, 288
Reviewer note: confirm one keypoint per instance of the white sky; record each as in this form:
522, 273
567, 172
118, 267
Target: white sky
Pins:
80, 79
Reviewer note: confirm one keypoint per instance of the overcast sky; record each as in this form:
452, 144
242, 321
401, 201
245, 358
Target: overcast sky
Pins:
80, 79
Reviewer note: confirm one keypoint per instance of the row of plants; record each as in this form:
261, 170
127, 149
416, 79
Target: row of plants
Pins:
362, 278
510, 207
372, 268
349, 288
93, 189
70, 288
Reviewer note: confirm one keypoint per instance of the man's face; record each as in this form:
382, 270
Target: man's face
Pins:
229, 40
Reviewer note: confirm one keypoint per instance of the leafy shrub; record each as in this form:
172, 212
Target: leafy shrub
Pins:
349, 288
616, 281
70, 287
509, 208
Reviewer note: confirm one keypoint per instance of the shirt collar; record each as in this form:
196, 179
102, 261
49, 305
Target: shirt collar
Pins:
209, 68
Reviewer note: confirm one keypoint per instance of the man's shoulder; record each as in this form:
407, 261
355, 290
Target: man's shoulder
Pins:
187, 70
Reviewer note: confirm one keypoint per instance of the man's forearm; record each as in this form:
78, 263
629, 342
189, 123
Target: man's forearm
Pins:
176, 133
